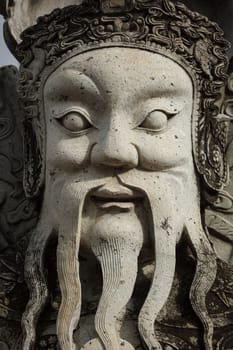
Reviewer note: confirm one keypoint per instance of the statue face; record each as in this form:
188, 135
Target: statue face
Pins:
118, 128
118, 108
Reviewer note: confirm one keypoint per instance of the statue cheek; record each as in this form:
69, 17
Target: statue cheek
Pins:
69, 154
162, 151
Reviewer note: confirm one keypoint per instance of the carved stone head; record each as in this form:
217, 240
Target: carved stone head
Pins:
121, 115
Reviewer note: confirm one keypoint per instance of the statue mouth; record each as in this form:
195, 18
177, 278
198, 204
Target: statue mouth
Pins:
116, 196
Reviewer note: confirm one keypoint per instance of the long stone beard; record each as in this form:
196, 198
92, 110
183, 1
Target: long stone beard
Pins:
172, 214
117, 250
61, 216
116, 240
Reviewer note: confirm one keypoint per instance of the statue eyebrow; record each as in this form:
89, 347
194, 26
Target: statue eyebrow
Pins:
166, 91
163, 100
70, 81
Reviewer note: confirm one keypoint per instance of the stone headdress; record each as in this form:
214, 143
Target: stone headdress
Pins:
160, 26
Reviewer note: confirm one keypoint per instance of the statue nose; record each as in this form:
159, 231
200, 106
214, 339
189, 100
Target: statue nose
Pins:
114, 150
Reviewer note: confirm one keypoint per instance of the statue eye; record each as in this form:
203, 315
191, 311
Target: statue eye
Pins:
75, 122
155, 120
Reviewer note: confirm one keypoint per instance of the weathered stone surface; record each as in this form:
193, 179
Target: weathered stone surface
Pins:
126, 144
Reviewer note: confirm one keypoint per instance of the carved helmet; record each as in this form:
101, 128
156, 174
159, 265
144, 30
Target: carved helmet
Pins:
160, 26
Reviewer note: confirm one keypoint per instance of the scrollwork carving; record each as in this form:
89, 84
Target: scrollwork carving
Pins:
190, 44
226, 342
17, 214
196, 45
218, 214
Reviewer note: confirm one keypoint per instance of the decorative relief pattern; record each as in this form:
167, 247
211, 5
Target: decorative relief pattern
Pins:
17, 213
219, 212
177, 326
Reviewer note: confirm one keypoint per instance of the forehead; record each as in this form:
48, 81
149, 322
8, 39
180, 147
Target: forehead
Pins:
119, 68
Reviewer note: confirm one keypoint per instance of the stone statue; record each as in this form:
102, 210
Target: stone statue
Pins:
123, 127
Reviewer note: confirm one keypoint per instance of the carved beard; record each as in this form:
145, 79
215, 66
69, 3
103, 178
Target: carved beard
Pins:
184, 215
118, 255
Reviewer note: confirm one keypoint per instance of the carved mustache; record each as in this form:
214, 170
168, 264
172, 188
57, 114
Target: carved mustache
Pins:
113, 251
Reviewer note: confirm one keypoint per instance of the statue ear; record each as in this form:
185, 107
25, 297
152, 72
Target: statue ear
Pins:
29, 85
34, 150
212, 162
33, 162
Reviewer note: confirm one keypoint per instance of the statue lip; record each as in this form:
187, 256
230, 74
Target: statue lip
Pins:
116, 196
